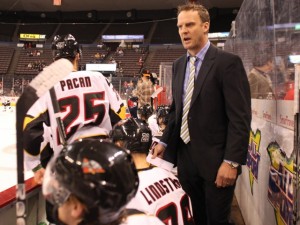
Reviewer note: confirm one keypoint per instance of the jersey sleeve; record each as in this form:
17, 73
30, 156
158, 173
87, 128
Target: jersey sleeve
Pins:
117, 109
34, 122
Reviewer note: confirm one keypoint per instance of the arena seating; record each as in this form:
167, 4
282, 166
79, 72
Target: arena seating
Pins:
24, 59
163, 54
6, 54
129, 62
88, 55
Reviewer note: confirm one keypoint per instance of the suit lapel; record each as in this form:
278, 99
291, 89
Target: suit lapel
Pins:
207, 63
179, 80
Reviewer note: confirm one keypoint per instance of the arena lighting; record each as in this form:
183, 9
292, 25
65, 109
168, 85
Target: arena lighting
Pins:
90, 15
57, 2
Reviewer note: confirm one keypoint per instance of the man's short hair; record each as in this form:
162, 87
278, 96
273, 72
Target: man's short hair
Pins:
261, 59
202, 11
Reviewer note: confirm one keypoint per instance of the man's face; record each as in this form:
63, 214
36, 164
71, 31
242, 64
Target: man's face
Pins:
64, 214
161, 124
270, 67
192, 31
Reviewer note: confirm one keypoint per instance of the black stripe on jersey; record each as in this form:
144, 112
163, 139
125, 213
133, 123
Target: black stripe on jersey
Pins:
145, 169
131, 212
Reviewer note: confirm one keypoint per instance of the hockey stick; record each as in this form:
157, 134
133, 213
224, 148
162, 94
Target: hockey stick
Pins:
37, 87
60, 124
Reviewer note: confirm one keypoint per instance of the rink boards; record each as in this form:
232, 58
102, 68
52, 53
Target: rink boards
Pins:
8, 176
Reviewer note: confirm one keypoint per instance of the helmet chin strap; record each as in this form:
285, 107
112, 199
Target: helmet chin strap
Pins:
55, 216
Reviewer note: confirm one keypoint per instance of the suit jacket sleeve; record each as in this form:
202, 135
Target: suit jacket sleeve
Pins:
170, 132
237, 98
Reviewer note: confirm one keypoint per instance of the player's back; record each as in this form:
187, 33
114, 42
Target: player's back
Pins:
86, 100
161, 194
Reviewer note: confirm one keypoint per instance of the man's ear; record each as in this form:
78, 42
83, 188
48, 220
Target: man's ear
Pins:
77, 209
77, 56
206, 26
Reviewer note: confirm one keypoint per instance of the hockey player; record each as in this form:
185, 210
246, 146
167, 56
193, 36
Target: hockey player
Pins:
90, 183
159, 192
89, 107
144, 112
6, 103
158, 121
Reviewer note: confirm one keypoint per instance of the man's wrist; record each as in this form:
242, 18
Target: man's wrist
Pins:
163, 143
233, 165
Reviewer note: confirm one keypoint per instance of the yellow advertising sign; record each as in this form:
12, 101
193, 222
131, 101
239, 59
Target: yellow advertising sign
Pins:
33, 36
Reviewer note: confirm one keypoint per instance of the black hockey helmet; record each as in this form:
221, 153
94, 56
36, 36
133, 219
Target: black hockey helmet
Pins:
145, 111
100, 174
162, 112
135, 133
65, 46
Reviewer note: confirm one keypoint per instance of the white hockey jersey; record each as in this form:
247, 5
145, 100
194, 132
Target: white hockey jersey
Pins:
152, 122
160, 194
142, 219
89, 106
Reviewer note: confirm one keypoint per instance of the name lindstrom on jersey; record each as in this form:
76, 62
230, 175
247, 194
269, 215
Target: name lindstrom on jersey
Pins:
160, 188
73, 83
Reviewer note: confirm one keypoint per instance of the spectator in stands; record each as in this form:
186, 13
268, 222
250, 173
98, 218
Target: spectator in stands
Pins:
123, 44
103, 55
119, 64
141, 61
97, 57
30, 53
119, 52
260, 76
112, 60
125, 86
129, 88
144, 89
121, 71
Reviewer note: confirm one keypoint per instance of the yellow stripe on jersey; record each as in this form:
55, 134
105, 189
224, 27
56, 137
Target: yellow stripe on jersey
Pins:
28, 119
122, 112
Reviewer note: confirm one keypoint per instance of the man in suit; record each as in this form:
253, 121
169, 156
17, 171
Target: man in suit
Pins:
209, 152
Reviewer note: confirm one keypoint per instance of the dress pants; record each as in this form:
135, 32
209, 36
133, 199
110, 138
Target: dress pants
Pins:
211, 205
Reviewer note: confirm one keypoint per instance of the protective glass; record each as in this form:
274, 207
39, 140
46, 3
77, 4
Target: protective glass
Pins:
53, 191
